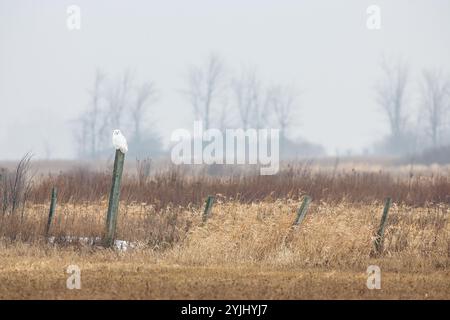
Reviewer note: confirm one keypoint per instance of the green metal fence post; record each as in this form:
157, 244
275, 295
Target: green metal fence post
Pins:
378, 243
208, 207
51, 212
113, 205
302, 211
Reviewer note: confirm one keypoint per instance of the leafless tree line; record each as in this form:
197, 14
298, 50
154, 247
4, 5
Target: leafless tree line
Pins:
394, 96
436, 103
222, 99
217, 97
113, 103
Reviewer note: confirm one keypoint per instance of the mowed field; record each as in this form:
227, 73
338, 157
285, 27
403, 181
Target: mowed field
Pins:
242, 252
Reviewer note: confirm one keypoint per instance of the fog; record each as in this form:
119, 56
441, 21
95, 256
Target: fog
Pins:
322, 48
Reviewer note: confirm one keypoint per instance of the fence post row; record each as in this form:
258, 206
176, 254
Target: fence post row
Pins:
378, 243
113, 205
51, 212
302, 211
208, 207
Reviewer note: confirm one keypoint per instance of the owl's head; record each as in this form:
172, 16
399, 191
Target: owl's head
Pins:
116, 132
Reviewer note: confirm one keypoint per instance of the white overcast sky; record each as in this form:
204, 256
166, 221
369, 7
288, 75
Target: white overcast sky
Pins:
324, 47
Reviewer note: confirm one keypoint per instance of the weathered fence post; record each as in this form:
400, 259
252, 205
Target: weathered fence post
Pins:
302, 211
113, 205
208, 207
51, 212
378, 243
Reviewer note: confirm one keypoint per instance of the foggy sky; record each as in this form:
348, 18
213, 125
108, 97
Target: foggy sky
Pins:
323, 47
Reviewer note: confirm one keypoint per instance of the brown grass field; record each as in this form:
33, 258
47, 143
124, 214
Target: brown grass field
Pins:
246, 250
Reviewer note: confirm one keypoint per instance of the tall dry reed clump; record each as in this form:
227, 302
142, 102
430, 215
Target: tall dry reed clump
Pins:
15, 186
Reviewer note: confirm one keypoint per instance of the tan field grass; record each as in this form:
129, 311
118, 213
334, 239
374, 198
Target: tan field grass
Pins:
244, 251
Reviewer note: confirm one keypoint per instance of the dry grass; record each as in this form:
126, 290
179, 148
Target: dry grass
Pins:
246, 250
139, 276
243, 251
178, 187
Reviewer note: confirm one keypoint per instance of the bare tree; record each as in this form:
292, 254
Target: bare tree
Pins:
435, 102
116, 104
146, 94
118, 98
248, 97
206, 84
224, 118
81, 134
94, 112
281, 101
391, 95
89, 123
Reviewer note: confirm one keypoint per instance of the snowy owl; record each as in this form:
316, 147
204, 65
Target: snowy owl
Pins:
119, 141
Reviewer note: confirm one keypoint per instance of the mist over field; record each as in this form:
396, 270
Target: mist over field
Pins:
322, 51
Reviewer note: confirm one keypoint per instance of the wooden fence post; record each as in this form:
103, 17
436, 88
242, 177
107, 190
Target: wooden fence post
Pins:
378, 243
302, 211
113, 205
51, 212
208, 207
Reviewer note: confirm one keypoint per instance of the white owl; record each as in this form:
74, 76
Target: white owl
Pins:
119, 141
